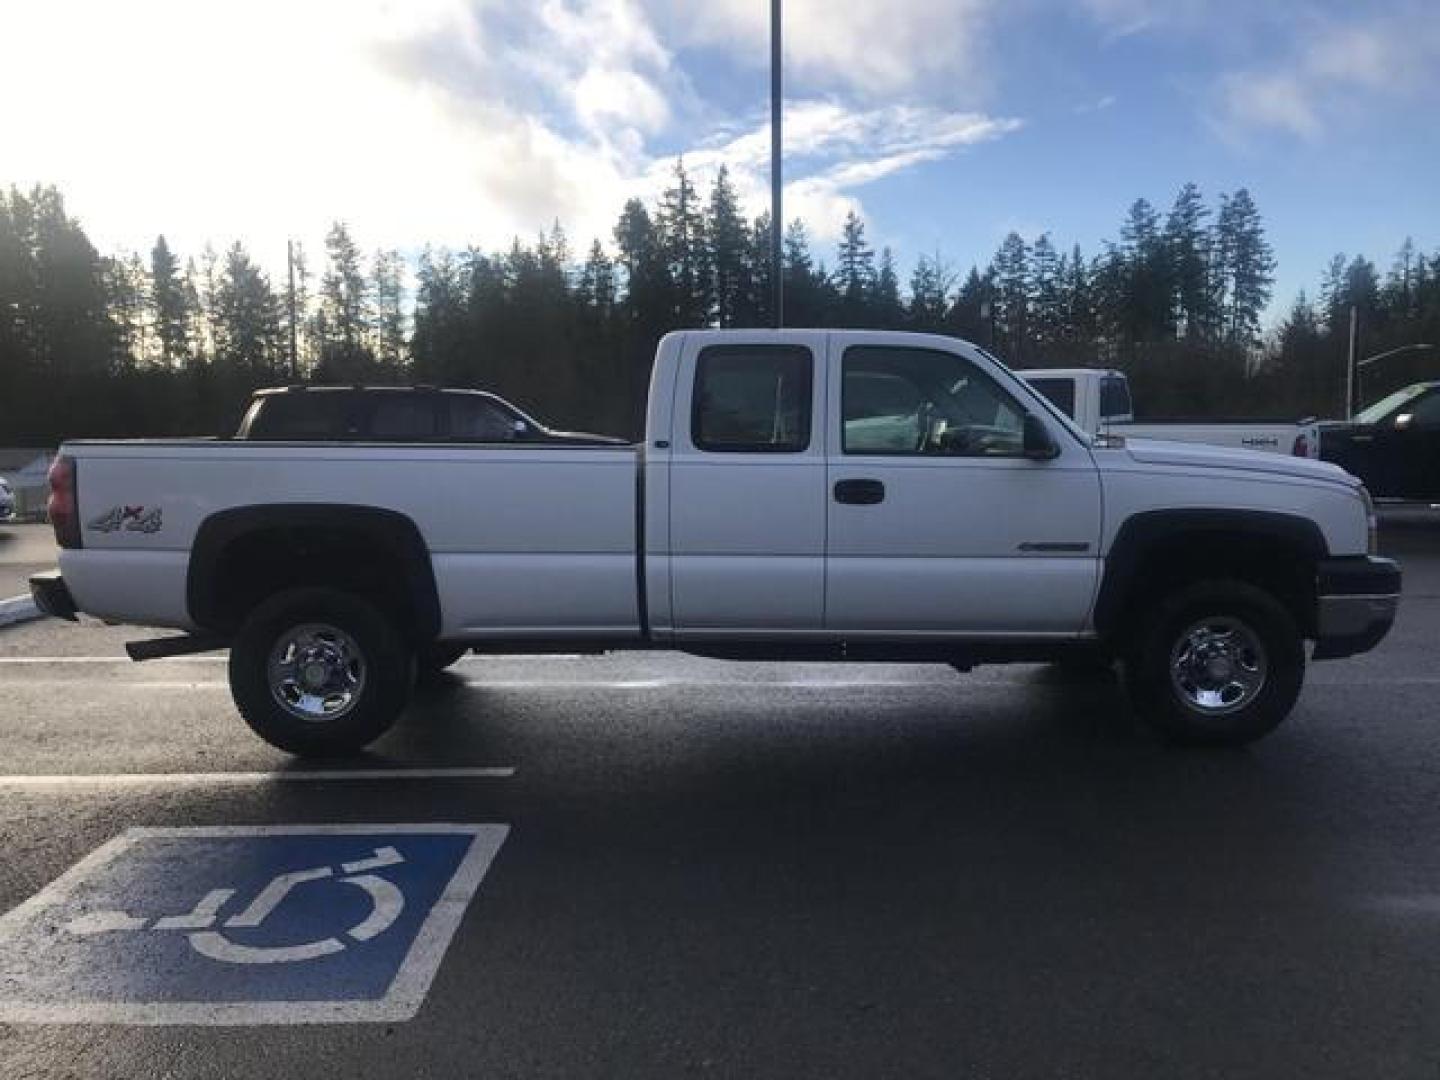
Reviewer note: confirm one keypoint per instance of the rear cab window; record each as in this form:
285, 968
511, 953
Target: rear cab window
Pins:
1115, 398
1059, 392
753, 399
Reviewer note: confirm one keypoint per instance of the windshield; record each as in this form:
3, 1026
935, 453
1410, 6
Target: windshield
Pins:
1386, 405
1049, 406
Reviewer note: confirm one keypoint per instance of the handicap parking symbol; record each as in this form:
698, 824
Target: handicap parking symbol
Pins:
244, 925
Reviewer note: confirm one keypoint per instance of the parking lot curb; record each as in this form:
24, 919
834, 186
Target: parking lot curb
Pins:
18, 609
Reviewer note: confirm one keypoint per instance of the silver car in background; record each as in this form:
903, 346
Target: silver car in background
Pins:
7, 501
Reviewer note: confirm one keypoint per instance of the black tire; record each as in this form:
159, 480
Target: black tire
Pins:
373, 694
1190, 707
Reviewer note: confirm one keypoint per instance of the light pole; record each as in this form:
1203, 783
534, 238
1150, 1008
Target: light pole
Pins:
1360, 366
777, 225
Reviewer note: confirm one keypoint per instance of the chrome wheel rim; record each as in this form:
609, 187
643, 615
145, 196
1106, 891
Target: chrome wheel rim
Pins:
316, 672
1218, 666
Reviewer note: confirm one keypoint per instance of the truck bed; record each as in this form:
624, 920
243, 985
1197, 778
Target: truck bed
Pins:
560, 559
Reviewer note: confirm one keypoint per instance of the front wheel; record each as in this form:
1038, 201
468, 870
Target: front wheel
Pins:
319, 671
1218, 663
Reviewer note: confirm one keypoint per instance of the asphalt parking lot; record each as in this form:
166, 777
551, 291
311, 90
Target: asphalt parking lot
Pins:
771, 870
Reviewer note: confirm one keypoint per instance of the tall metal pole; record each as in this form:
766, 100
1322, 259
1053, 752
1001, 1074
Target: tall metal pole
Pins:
294, 352
777, 216
1350, 368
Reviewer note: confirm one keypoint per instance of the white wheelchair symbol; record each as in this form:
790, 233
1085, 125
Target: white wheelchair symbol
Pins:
386, 903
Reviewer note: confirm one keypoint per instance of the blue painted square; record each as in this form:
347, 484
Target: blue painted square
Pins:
244, 925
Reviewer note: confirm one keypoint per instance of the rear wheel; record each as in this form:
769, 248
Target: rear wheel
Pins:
319, 671
1217, 663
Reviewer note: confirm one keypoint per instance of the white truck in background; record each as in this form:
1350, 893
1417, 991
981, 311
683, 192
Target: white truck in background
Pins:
799, 495
1098, 399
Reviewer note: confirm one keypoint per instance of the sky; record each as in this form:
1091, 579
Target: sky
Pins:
945, 123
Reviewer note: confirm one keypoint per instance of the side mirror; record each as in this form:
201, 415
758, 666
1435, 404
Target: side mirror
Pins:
1403, 421
519, 429
1038, 445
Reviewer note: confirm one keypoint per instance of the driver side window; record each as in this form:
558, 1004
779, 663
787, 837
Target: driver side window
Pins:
925, 402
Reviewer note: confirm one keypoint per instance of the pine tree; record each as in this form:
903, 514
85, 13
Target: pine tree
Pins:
248, 320
1011, 268
345, 315
171, 306
1249, 267
929, 295
1146, 304
1047, 323
886, 310
389, 291
681, 227
854, 271
729, 243
595, 291
1187, 248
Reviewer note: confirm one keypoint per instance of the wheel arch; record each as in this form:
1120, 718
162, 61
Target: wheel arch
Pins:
1165, 548
244, 554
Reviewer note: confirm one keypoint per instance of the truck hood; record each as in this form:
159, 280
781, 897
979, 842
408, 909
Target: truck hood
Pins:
1195, 455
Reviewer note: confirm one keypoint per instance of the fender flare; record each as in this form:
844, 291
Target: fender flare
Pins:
387, 529
1142, 532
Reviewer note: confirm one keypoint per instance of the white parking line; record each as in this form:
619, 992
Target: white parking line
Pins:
178, 779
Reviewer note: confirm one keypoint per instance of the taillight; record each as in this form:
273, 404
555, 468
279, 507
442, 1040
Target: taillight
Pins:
64, 504
1302, 445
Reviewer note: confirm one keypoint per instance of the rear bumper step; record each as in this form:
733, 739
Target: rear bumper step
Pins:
52, 595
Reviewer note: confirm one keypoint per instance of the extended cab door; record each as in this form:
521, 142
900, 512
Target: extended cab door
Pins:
938, 524
747, 486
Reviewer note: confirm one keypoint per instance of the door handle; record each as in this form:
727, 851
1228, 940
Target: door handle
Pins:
859, 492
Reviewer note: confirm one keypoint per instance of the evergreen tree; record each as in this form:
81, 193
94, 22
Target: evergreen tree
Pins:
729, 250
248, 320
1011, 268
681, 228
854, 271
389, 291
171, 304
886, 310
929, 295
1249, 267
595, 291
1187, 247
344, 322
1048, 316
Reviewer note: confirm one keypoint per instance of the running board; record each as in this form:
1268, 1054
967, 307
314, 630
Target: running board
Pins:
185, 645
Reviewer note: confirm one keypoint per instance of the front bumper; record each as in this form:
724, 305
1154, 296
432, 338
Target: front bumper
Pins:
52, 595
1356, 601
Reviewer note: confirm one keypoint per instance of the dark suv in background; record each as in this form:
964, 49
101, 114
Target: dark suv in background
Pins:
397, 414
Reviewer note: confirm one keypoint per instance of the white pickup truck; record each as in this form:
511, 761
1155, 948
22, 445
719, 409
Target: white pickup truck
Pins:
1099, 401
800, 495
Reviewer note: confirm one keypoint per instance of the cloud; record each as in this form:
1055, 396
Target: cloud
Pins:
831, 151
1332, 72
866, 48
452, 121
1100, 104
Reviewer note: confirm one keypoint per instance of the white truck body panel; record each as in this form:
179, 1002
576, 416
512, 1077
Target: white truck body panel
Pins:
528, 541
541, 542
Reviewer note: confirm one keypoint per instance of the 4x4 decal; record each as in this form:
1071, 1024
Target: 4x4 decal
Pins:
130, 519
